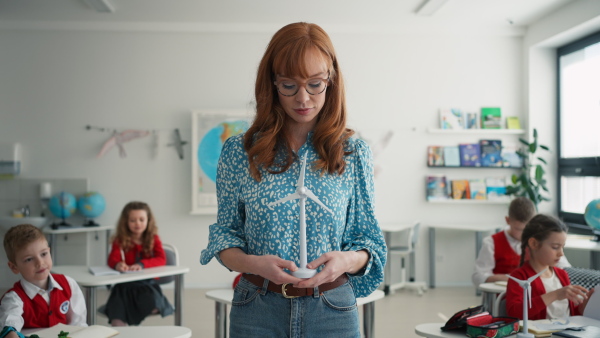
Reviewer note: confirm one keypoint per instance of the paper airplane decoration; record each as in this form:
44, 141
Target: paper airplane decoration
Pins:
301, 194
526, 285
118, 139
179, 143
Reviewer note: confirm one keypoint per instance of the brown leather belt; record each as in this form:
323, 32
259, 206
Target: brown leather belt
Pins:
289, 291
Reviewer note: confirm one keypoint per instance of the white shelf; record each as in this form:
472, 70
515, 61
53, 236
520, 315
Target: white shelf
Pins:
477, 131
453, 201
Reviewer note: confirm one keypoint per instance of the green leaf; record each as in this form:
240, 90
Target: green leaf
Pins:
539, 173
544, 147
514, 179
542, 160
524, 142
533, 147
535, 134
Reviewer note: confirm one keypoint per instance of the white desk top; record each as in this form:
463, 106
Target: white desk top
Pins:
76, 229
84, 277
432, 330
492, 287
395, 227
226, 295
581, 243
468, 227
145, 332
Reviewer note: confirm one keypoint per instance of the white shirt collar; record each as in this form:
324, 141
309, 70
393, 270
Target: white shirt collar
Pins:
32, 290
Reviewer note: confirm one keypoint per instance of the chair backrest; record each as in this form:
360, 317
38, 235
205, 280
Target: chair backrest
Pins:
414, 235
500, 305
172, 259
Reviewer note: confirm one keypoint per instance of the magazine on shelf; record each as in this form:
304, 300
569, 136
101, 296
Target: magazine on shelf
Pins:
451, 118
435, 156
496, 189
460, 190
470, 155
491, 153
510, 158
491, 118
478, 189
451, 156
437, 188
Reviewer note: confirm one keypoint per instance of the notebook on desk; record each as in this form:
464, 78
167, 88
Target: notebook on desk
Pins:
581, 332
105, 270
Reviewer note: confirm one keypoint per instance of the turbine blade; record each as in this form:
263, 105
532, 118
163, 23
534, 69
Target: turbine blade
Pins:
532, 278
314, 198
302, 172
285, 199
520, 282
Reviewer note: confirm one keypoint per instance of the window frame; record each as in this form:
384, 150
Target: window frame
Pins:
573, 167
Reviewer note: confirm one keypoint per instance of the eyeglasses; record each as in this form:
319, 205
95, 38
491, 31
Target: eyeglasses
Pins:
312, 86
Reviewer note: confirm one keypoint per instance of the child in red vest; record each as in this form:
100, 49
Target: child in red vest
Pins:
40, 299
500, 253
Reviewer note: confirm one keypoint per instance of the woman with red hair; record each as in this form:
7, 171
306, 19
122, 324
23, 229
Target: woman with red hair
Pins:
300, 112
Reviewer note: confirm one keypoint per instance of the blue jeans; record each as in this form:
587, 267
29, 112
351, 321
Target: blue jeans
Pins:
256, 312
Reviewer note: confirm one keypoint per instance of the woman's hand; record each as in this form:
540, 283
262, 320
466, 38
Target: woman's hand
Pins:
135, 267
336, 263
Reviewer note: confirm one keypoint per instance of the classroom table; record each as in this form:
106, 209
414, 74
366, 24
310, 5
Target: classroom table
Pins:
88, 282
144, 331
479, 229
432, 330
223, 297
489, 293
584, 243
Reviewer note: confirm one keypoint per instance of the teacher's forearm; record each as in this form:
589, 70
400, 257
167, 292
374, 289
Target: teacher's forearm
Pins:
237, 260
360, 261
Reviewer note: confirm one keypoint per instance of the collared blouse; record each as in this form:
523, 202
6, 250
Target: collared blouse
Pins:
245, 221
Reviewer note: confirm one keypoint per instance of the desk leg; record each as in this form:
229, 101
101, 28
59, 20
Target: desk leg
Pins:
432, 257
369, 319
90, 303
220, 320
478, 244
53, 249
387, 276
178, 299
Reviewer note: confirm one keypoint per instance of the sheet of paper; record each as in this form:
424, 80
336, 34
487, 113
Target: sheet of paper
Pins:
592, 309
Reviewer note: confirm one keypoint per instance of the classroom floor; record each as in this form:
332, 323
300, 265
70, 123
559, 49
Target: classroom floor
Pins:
395, 315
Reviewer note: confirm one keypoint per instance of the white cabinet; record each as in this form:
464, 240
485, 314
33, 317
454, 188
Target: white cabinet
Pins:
79, 245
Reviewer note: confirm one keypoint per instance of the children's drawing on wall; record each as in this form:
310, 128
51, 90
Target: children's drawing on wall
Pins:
210, 129
378, 140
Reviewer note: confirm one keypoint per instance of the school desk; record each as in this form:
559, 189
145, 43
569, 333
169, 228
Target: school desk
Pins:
584, 243
432, 330
89, 283
489, 293
144, 332
223, 297
479, 229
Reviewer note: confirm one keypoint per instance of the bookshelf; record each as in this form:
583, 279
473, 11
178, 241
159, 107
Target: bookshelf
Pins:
477, 131
482, 134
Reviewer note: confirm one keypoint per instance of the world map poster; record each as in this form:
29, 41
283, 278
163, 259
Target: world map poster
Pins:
210, 129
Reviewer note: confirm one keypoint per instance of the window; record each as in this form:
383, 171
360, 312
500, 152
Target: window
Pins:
578, 129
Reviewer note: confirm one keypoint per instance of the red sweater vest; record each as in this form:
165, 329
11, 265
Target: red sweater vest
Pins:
36, 313
507, 260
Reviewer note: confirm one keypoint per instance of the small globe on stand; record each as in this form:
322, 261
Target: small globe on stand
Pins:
592, 217
62, 205
91, 205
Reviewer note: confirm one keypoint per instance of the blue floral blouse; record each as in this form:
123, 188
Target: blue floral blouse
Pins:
245, 221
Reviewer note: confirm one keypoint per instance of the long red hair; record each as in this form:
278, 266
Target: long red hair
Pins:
285, 54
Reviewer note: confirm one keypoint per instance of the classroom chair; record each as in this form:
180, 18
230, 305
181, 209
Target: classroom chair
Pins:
172, 259
499, 309
405, 250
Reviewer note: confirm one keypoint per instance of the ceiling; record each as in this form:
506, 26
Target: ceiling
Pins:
508, 16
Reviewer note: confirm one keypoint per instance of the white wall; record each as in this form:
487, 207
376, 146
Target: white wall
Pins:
53, 83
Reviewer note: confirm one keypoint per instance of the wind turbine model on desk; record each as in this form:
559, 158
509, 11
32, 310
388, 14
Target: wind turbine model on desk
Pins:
526, 285
301, 194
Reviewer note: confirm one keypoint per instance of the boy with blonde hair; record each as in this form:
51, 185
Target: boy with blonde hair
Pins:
39, 299
500, 253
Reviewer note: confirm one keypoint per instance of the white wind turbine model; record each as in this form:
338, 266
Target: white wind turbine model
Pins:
301, 194
526, 285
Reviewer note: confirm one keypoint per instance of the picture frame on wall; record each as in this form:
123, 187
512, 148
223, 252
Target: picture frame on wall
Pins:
210, 129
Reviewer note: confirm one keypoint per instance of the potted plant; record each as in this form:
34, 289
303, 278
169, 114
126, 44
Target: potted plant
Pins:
530, 182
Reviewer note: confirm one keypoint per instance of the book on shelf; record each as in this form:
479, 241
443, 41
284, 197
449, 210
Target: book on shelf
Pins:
92, 331
435, 156
510, 158
471, 120
451, 156
491, 153
512, 122
470, 155
437, 188
478, 189
496, 189
491, 118
460, 189
451, 118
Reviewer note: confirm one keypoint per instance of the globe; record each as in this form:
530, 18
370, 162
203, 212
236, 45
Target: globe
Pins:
91, 204
62, 205
592, 214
